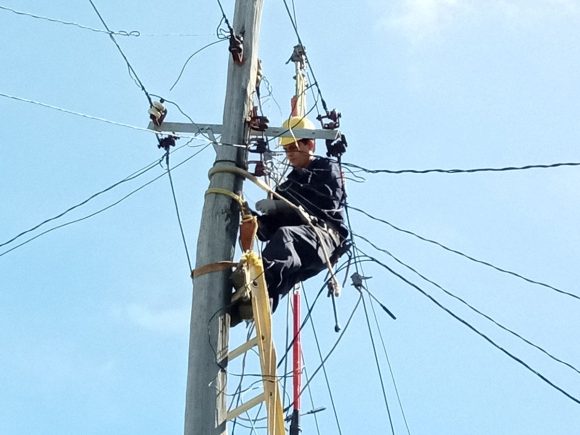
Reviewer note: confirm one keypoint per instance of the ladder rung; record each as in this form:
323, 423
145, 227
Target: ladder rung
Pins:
246, 406
243, 348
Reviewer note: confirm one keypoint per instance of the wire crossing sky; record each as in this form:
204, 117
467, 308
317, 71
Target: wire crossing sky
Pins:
473, 105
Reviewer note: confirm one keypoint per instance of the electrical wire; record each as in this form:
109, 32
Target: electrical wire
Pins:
69, 23
336, 419
471, 307
130, 177
191, 57
379, 371
132, 72
71, 112
460, 171
330, 352
295, 27
475, 330
485, 263
177, 210
388, 362
101, 210
357, 267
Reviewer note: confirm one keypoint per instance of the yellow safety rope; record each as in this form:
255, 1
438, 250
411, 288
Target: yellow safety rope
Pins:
220, 191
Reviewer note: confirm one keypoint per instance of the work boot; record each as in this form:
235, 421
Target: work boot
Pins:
239, 311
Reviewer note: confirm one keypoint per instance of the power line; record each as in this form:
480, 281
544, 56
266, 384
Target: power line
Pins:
191, 57
388, 362
70, 23
471, 307
330, 352
472, 328
295, 27
72, 112
323, 367
133, 176
460, 171
101, 210
358, 268
485, 263
177, 210
377, 364
132, 72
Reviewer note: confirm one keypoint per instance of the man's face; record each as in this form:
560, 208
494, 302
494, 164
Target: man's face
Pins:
299, 153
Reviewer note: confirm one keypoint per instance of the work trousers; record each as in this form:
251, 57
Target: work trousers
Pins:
294, 254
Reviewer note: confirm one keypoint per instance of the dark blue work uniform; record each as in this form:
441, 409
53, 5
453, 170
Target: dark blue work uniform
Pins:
293, 252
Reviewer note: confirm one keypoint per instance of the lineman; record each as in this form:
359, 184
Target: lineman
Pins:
294, 250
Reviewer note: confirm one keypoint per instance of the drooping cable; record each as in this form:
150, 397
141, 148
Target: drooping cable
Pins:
191, 57
485, 263
471, 307
475, 330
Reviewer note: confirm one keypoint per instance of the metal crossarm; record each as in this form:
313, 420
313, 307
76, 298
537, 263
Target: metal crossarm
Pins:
254, 269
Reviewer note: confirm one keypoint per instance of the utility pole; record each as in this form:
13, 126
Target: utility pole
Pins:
205, 409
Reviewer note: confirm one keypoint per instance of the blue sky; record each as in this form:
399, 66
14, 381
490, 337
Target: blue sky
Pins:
94, 317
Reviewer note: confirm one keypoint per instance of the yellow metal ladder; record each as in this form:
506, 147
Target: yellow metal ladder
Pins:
256, 285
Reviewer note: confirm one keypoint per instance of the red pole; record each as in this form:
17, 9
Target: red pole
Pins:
296, 351
296, 365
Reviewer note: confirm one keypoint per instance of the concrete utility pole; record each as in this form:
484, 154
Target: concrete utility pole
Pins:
205, 410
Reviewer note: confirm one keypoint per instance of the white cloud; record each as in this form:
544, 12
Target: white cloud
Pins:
167, 321
425, 20
421, 19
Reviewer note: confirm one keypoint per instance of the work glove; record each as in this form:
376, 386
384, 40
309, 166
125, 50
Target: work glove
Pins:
271, 206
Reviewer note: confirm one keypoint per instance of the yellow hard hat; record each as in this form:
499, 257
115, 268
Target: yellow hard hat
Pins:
298, 122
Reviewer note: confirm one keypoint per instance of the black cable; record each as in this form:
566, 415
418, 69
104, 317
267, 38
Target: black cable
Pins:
177, 210
191, 57
101, 210
380, 372
388, 361
485, 263
460, 171
328, 355
471, 307
130, 177
295, 27
225, 18
472, 328
323, 367
131, 70
308, 314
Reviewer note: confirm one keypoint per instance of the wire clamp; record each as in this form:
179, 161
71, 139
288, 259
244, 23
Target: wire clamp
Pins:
237, 47
167, 142
334, 118
257, 122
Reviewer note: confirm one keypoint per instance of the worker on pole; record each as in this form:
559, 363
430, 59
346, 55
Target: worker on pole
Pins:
299, 247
